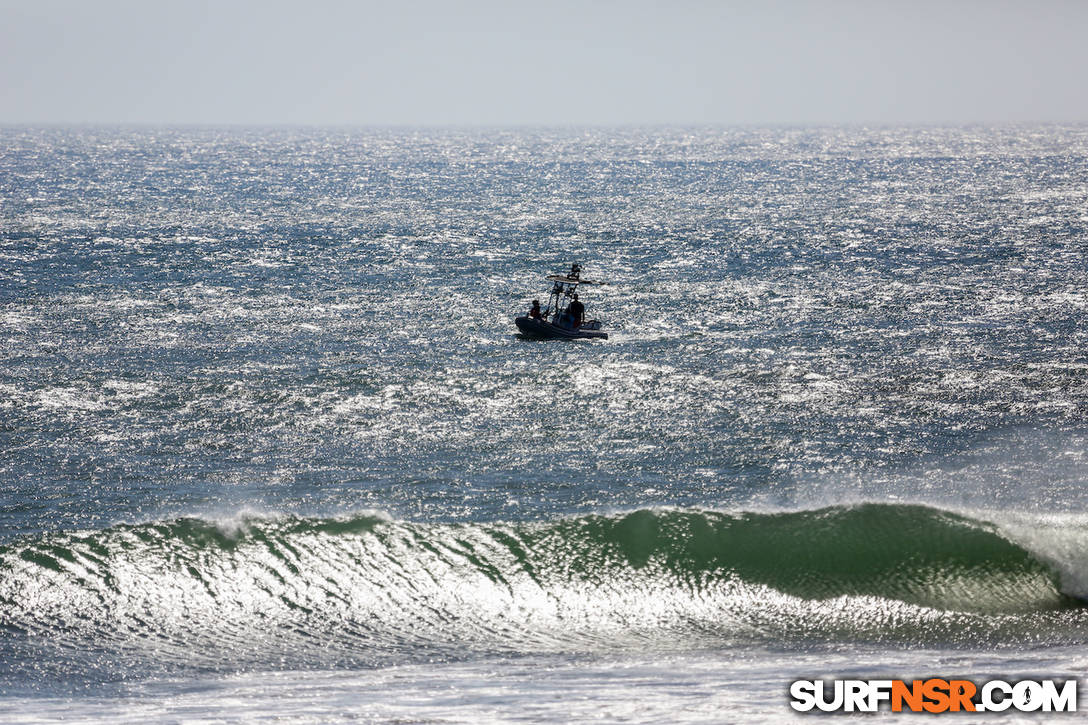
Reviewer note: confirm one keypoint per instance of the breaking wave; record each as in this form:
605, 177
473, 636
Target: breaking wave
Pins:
271, 590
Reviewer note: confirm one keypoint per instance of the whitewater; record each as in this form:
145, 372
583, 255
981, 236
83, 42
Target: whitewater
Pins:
271, 448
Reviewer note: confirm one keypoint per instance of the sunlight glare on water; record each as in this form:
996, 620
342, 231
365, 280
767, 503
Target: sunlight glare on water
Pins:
268, 429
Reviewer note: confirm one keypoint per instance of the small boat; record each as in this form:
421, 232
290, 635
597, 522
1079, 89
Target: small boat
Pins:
558, 320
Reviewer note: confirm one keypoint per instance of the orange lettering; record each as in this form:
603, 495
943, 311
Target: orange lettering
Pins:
936, 691
911, 695
961, 692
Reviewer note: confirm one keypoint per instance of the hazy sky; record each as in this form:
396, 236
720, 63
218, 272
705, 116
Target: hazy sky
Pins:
542, 62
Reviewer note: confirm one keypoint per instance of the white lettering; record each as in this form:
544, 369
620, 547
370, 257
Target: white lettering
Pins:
1064, 701
821, 696
855, 695
1027, 696
993, 696
803, 693
989, 703
879, 691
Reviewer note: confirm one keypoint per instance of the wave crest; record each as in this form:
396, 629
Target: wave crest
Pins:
368, 587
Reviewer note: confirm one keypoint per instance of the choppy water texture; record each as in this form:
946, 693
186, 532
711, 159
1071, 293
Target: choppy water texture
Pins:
271, 446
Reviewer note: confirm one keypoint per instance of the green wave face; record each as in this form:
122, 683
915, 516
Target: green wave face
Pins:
368, 587
912, 554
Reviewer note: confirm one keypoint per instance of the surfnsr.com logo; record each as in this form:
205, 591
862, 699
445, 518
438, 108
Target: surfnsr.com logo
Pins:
934, 695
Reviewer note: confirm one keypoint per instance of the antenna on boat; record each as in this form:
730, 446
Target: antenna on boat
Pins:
557, 321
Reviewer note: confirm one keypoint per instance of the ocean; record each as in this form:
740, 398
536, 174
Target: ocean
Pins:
272, 449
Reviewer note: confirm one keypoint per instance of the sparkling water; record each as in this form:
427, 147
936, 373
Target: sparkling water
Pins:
271, 446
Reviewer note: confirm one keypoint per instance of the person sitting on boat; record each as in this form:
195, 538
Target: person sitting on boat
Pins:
577, 312
535, 312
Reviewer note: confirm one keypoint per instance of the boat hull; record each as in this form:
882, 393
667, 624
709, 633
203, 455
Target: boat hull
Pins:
546, 330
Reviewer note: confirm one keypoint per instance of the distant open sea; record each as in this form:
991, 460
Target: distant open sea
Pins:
272, 449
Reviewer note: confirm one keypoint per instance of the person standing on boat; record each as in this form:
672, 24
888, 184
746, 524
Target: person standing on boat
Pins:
577, 312
535, 312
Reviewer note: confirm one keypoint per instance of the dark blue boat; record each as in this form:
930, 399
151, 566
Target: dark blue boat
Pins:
558, 320
544, 329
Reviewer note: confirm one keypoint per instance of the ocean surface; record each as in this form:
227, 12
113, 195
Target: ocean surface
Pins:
271, 448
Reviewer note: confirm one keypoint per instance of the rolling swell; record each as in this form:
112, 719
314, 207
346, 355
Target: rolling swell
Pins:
369, 588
